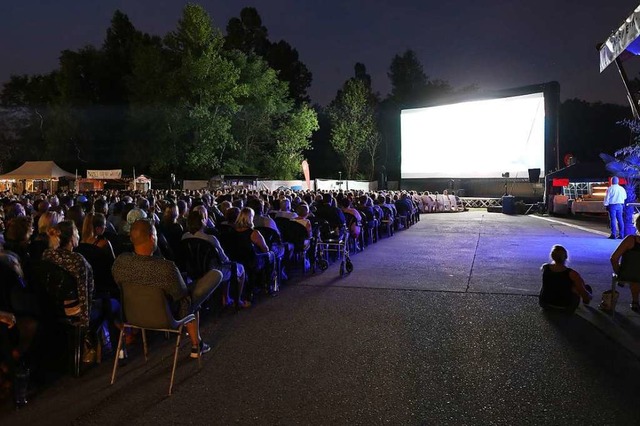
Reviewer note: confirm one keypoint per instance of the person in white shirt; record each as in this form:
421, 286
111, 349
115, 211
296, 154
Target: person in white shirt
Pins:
614, 200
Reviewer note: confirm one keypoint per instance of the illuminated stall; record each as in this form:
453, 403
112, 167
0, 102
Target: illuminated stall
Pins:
37, 176
578, 188
141, 183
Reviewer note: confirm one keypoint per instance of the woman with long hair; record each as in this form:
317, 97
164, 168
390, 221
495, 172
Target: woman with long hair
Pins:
63, 239
248, 246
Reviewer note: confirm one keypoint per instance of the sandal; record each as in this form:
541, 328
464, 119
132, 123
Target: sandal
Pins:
635, 307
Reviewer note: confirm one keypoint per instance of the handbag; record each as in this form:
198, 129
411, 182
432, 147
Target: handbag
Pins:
88, 350
609, 300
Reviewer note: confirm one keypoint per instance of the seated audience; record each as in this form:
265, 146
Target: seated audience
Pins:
41, 241
92, 311
141, 268
247, 246
99, 253
326, 210
355, 224
17, 237
231, 271
302, 212
285, 209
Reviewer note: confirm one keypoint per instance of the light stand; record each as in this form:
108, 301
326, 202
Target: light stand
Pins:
506, 182
339, 182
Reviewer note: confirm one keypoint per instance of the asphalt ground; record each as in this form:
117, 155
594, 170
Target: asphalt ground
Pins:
437, 325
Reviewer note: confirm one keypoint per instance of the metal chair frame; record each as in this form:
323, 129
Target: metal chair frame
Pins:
165, 322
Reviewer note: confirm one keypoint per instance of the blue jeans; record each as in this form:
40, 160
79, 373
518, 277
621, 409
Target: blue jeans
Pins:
202, 289
615, 216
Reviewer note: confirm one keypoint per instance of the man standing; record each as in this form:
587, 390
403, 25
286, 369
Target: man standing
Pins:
141, 268
614, 201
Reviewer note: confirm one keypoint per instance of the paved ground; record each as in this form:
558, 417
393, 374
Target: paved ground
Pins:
437, 325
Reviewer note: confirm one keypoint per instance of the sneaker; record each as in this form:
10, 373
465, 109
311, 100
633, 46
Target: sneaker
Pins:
612, 237
620, 237
204, 348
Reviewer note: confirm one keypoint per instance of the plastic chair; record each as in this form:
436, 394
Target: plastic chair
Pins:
147, 308
295, 234
53, 286
199, 257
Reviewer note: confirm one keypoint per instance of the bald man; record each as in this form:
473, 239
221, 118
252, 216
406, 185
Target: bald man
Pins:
141, 268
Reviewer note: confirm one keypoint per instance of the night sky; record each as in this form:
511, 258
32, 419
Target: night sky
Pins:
494, 44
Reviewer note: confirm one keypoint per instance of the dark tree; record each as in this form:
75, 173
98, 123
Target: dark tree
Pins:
361, 74
284, 59
247, 33
587, 129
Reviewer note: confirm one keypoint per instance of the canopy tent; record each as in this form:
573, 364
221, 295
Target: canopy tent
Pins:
36, 176
622, 44
37, 170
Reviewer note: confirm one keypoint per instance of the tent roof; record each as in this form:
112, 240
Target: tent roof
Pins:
583, 172
623, 42
37, 170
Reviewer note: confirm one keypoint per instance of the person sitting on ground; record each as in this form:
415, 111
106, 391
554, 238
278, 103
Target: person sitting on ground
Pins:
142, 268
562, 287
196, 222
631, 243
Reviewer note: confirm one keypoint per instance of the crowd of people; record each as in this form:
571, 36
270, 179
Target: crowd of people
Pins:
105, 240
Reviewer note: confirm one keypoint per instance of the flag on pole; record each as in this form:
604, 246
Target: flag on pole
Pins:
307, 176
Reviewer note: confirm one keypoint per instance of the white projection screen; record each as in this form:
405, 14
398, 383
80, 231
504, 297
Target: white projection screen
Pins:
477, 139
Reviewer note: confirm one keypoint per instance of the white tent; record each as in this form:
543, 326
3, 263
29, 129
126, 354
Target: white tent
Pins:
37, 170
36, 176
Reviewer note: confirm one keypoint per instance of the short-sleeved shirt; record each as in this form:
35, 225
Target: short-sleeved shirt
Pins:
134, 269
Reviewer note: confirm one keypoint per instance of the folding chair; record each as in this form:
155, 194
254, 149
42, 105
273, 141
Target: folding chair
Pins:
147, 308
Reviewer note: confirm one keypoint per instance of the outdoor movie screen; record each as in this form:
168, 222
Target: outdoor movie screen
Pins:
477, 139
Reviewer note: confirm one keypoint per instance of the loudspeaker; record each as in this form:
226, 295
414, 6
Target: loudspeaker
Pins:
534, 175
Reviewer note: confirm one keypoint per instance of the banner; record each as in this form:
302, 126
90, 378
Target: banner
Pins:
307, 176
104, 174
623, 39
